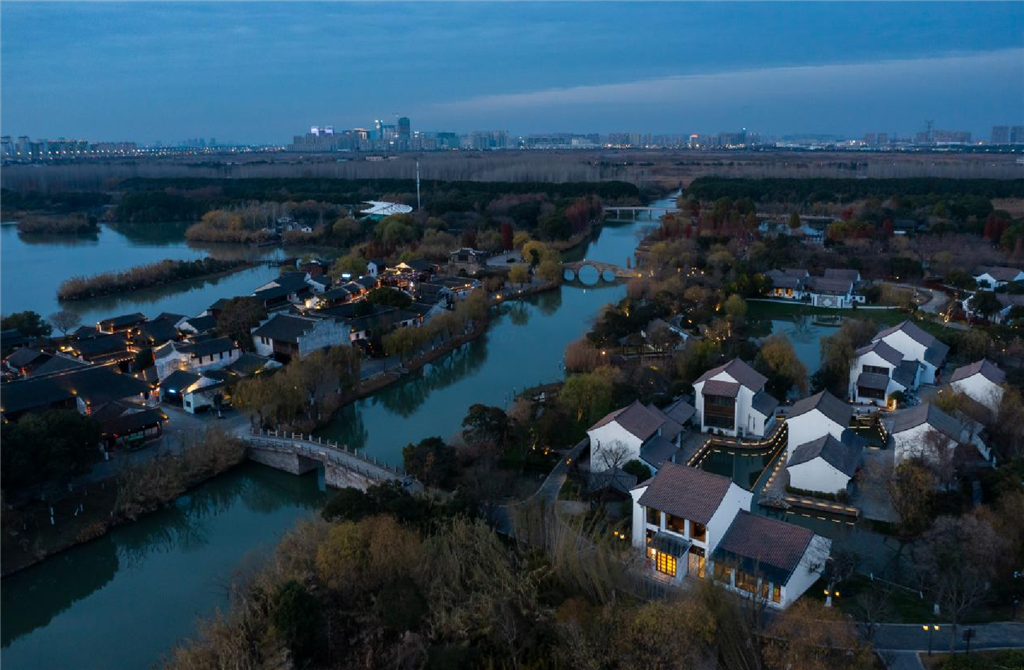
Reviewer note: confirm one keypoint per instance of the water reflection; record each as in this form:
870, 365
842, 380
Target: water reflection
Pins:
166, 565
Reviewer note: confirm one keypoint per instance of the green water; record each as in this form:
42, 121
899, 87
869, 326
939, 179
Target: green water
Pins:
123, 601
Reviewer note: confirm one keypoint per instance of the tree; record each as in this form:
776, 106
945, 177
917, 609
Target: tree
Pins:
954, 562
985, 303
638, 470
50, 446
28, 323
486, 426
65, 320
533, 251
549, 270
735, 307
296, 616
507, 236
390, 297
351, 264
588, 396
432, 461
238, 317
777, 360
519, 274
910, 490
810, 636
794, 221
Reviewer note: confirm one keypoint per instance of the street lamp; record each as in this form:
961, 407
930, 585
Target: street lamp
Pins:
828, 597
931, 629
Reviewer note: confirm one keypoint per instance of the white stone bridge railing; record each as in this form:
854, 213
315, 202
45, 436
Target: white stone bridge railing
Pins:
325, 451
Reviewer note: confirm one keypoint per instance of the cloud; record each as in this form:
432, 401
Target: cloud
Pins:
791, 84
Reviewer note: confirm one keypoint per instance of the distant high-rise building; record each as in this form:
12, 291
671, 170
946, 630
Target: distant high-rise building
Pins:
404, 128
1017, 135
1000, 134
870, 139
883, 139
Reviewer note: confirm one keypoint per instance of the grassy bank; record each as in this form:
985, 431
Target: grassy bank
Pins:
71, 224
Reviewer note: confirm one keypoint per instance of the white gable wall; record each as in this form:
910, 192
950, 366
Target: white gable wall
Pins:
608, 434
817, 475
751, 422
978, 387
912, 350
735, 499
810, 426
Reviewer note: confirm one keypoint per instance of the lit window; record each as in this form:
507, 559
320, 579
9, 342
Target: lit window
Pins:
666, 564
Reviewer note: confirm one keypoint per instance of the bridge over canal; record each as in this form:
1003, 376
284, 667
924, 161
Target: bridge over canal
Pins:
653, 213
343, 467
617, 270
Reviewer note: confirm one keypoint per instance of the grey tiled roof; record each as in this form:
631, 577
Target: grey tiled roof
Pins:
987, 370
999, 273
930, 414
740, 371
285, 328
762, 545
638, 420
936, 350
830, 285
827, 404
883, 350
844, 457
905, 373
842, 273
764, 403
680, 411
721, 388
685, 492
657, 450
872, 380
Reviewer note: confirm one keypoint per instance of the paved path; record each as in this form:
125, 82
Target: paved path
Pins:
902, 660
910, 637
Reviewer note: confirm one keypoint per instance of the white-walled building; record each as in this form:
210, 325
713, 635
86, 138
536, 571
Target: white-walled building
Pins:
810, 418
924, 430
981, 381
284, 336
878, 371
997, 276
637, 432
691, 523
194, 356
731, 399
914, 344
770, 559
825, 464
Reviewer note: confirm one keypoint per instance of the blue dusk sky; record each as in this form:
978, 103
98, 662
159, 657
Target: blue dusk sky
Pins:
262, 72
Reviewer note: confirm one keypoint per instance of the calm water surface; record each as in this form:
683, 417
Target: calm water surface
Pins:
123, 601
33, 266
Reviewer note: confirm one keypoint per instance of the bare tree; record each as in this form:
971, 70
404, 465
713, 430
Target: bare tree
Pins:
955, 562
65, 320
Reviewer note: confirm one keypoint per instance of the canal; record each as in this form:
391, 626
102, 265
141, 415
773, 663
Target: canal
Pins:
123, 601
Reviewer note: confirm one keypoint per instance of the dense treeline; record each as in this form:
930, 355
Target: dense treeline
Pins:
848, 190
190, 198
141, 276
35, 201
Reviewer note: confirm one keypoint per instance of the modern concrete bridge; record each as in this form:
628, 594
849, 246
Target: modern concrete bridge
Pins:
633, 213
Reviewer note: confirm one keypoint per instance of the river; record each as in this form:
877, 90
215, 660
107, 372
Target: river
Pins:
123, 601
34, 265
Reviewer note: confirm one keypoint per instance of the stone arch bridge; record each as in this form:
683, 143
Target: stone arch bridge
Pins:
299, 454
617, 270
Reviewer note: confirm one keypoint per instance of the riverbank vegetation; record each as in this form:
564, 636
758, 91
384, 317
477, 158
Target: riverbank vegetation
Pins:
143, 276
17, 203
387, 580
147, 485
68, 224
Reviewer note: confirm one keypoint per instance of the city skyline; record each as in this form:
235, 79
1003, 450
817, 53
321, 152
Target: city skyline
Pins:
269, 71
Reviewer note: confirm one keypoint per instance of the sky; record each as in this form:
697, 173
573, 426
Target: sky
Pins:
262, 72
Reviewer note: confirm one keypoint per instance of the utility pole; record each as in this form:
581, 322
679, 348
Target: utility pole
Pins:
417, 186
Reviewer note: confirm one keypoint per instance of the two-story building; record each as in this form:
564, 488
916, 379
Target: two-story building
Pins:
914, 344
285, 336
637, 432
731, 400
878, 370
211, 354
820, 414
925, 431
692, 523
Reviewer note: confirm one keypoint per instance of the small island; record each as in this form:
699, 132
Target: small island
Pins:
143, 276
